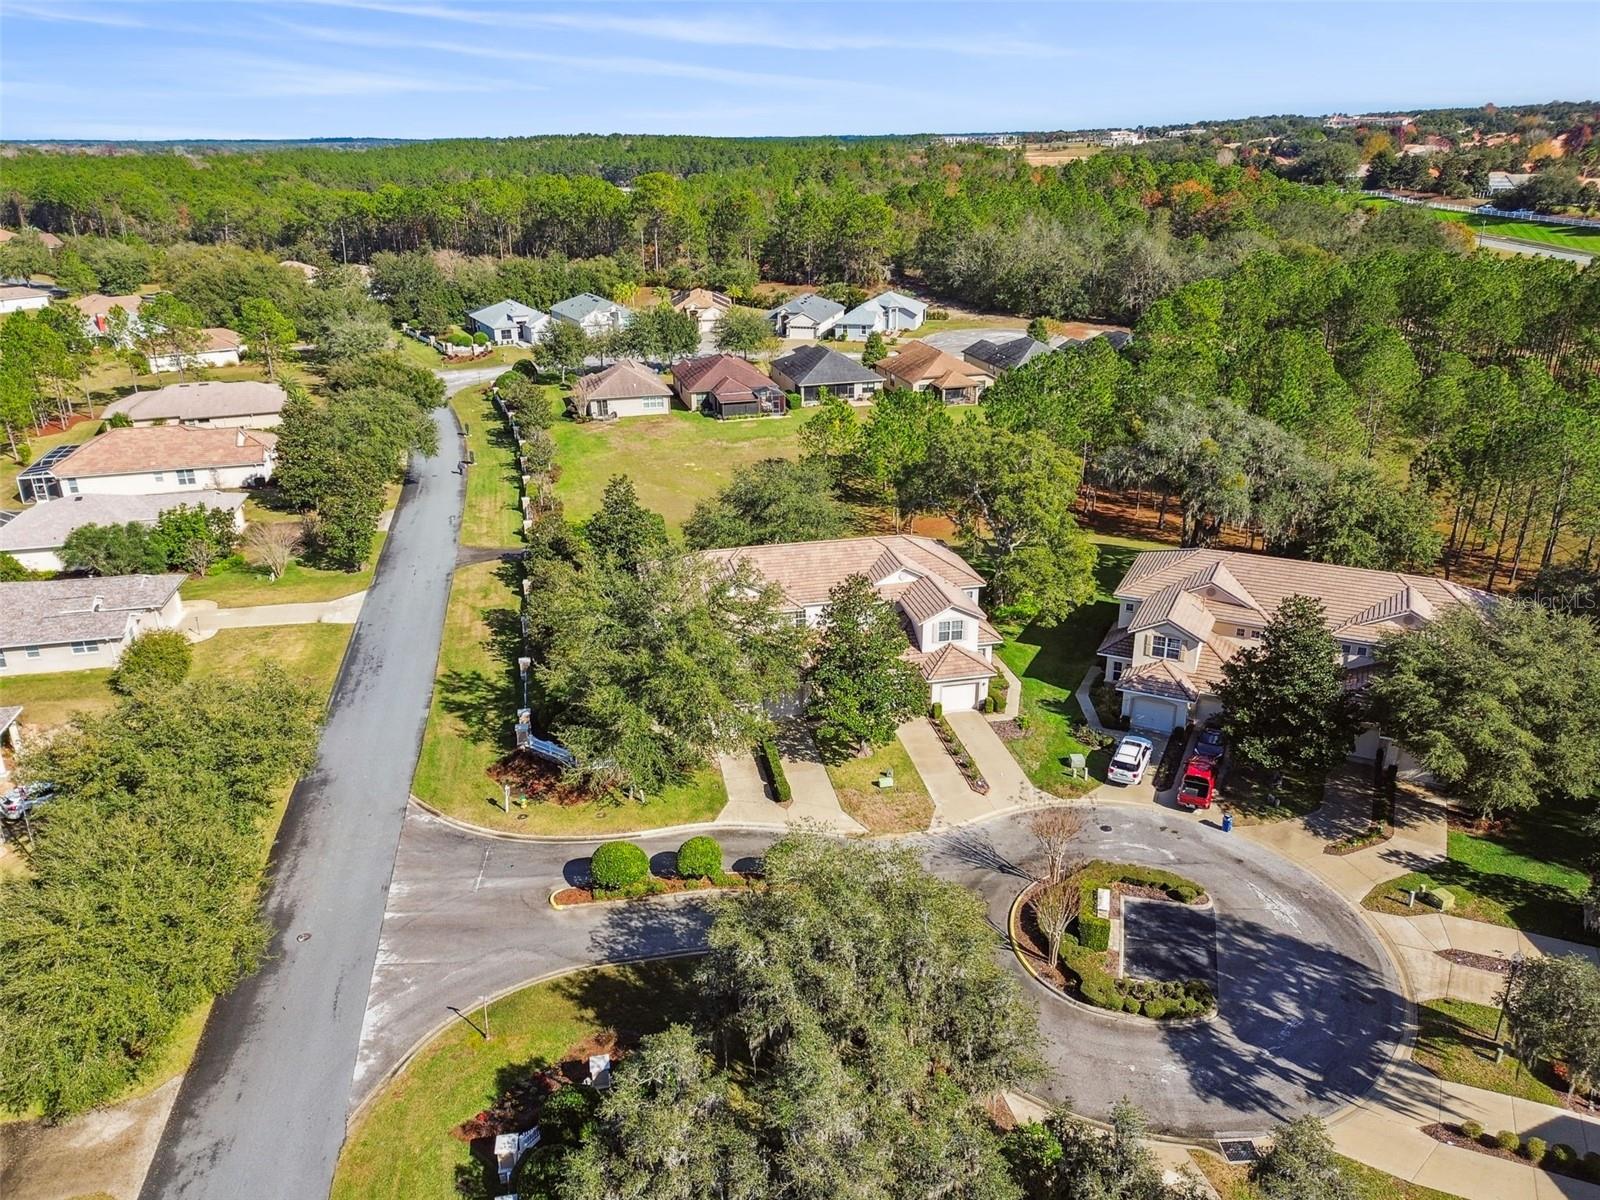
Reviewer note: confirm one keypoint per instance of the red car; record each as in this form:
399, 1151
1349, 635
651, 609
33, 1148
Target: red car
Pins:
1199, 783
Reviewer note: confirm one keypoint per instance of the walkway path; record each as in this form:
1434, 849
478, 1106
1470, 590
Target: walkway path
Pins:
261, 1112
1013, 704
202, 618
751, 803
954, 803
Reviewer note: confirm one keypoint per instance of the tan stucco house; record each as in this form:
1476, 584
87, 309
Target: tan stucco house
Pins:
624, 389
159, 458
922, 368
211, 404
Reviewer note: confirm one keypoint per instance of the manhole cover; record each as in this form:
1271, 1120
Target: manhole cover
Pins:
304, 937
1238, 1151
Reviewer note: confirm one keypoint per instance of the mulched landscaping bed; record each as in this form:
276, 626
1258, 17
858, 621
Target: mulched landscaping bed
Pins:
517, 1108
536, 779
1007, 731
1450, 1135
1374, 836
1483, 962
659, 886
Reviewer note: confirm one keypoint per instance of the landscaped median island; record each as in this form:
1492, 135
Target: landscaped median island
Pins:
623, 871
1078, 915
958, 751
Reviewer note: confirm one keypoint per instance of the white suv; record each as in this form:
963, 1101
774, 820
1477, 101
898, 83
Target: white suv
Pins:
1132, 757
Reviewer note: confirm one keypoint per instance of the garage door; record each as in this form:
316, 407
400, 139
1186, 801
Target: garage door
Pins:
957, 697
1160, 716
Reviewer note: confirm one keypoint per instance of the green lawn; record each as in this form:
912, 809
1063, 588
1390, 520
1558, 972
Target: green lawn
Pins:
493, 516
1252, 800
1051, 663
675, 460
405, 1146
1570, 237
1363, 1182
420, 355
1455, 1040
1525, 876
904, 808
470, 727
299, 584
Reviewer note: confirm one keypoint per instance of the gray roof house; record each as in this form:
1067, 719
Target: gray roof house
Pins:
1005, 353
77, 624
887, 312
509, 323
809, 316
35, 535
808, 371
591, 313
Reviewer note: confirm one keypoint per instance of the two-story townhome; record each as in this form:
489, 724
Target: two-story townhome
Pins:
160, 458
805, 318
1181, 614
948, 637
595, 315
922, 368
887, 312
509, 323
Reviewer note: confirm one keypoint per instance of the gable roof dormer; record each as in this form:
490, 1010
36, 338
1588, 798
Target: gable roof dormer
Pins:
1215, 582
1403, 609
1173, 605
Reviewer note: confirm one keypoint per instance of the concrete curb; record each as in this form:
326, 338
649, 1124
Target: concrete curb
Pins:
599, 836
681, 894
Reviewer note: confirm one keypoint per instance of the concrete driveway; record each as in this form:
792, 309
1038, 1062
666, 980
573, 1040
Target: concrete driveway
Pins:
1310, 1007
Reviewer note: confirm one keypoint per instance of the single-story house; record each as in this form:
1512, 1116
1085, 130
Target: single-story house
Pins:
1181, 614
624, 389
705, 306
887, 312
950, 640
48, 240
723, 386
811, 370
1004, 354
24, 297
922, 367
158, 458
208, 404
78, 624
35, 535
1506, 181
96, 309
218, 347
592, 314
805, 317
509, 323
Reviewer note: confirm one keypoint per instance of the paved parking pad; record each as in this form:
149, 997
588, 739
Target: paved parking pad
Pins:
1164, 940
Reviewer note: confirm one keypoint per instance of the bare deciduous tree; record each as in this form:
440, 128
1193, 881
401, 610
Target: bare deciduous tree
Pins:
274, 544
1055, 906
1056, 829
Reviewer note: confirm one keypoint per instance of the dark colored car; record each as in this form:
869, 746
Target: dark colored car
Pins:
1212, 743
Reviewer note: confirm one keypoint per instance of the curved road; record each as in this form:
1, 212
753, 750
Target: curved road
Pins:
261, 1112
1310, 1006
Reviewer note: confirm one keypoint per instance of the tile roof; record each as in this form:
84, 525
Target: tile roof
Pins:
204, 401
166, 448
1118, 643
1158, 678
916, 362
53, 611
1005, 354
950, 661
1174, 604
622, 380
806, 571
928, 596
723, 375
214, 339
818, 366
46, 526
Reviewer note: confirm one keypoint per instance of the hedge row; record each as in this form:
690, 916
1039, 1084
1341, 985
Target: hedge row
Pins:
774, 768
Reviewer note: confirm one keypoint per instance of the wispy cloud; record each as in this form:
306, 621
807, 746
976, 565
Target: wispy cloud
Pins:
65, 10
248, 75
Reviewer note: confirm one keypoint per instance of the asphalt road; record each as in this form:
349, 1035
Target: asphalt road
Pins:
261, 1113
1310, 1007
1535, 249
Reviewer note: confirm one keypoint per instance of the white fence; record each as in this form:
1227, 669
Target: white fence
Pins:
1489, 210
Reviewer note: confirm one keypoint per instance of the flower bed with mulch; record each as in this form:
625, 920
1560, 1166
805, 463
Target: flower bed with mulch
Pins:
959, 753
1483, 962
655, 885
1372, 835
1574, 1166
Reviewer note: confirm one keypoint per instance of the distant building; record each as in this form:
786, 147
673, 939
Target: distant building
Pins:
1368, 121
809, 371
704, 305
509, 323
979, 139
48, 240
35, 535
592, 314
1506, 181
218, 347
24, 297
806, 317
96, 309
723, 386
888, 312
1005, 354
921, 368
1121, 137
305, 268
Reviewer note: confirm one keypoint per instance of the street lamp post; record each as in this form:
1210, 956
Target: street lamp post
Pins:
1511, 980
523, 666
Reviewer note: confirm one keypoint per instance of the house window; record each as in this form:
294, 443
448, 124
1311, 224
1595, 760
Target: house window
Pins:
1130, 606
950, 631
800, 618
185, 477
1241, 633
1162, 646
72, 486
1117, 668
160, 476
86, 647
2, 660
655, 404
31, 651
1344, 649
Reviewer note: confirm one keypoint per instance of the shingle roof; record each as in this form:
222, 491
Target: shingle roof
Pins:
701, 298
505, 312
818, 366
584, 304
96, 304
721, 374
166, 448
621, 381
1006, 354
867, 311
46, 526
818, 308
205, 401
918, 361
53, 611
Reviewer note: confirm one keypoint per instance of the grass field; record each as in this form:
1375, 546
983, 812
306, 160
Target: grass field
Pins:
1455, 1040
674, 460
1568, 237
904, 808
1361, 1181
1051, 663
492, 516
299, 584
405, 1146
1528, 875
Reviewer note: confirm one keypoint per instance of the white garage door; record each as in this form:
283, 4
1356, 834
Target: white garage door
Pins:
957, 697
1160, 716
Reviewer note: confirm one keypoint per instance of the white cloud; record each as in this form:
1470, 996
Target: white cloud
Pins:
64, 10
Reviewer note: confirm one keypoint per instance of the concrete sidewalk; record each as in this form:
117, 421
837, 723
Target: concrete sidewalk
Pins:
812, 798
1013, 704
202, 618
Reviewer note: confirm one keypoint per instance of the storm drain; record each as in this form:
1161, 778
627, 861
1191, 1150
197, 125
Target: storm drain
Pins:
1238, 1152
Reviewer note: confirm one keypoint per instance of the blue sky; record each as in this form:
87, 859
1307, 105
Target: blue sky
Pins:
433, 68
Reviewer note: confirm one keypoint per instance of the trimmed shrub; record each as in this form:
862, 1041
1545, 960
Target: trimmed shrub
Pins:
1100, 990
1508, 1141
459, 339
1561, 1156
700, 858
1094, 933
937, 711
1184, 894
774, 766
1534, 1148
1130, 1004
1591, 1166
162, 656
1472, 1131
617, 865
480, 338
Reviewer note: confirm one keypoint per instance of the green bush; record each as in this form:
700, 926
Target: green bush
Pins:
1099, 989
459, 339
1184, 894
563, 1116
1534, 1148
480, 338
617, 865
700, 858
1472, 1131
775, 772
1508, 1141
1094, 933
1130, 1004
937, 711
1561, 1157
1591, 1166
162, 656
